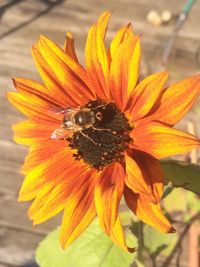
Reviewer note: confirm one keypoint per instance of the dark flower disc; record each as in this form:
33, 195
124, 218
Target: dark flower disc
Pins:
105, 141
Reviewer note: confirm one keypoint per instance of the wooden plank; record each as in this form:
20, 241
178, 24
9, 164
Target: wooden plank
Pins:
12, 212
17, 247
139, 11
14, 215
5, 265
6, 122
75, 11
7, 183
12, 151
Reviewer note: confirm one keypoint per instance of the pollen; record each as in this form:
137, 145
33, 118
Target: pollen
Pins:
105, 141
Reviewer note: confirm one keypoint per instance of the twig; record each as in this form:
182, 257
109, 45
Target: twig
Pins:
180, 249
182, 235
193, 153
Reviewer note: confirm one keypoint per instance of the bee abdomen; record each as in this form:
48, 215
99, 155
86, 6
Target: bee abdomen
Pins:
82, 118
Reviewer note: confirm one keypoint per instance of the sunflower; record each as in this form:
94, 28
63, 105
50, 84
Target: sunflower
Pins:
96, 133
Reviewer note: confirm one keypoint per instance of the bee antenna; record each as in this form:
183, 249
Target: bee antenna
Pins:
103, 105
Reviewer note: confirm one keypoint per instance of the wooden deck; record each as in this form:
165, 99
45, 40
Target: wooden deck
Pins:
21, 22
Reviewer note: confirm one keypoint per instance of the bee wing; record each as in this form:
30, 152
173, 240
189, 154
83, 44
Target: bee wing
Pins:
60, 112
58, 134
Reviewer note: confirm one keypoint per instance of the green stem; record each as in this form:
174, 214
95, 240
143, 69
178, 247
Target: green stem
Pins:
141, 243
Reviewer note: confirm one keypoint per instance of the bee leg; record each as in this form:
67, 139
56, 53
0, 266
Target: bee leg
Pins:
101, 129
86, 136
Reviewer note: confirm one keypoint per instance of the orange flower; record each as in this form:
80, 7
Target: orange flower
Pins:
107, 138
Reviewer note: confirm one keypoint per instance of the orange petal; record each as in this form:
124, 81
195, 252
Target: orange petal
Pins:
147, 212
118, 39
151, 166
124, 69
177, 100
96, 56
43, 208
79, 210
47, 48
133, 69
51, 199
52, 83
69, 46
162, 141
117, 236
38, 153
33, 107
144, 175
34, 90
70, 80
146, 95
68, 72
46, 171
29, 132
108, 193
136, 180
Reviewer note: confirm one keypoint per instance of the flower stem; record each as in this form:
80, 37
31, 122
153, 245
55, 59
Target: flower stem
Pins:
141, 243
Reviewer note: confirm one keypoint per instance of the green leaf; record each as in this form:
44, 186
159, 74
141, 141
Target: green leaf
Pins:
192, 206
167, 191
193, 202
139, 264
125, 217
92, 248
182, 174
157, 243
180, 203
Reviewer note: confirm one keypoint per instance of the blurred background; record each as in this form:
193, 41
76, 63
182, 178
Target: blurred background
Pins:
166, 43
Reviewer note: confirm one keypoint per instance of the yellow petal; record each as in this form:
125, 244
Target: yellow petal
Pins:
33, 107
117, 40
32, 89
133, 69
43, 208
117, 236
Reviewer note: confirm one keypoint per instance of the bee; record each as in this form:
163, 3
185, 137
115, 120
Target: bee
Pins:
79, 119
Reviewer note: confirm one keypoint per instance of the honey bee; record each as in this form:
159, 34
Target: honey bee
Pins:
78, 119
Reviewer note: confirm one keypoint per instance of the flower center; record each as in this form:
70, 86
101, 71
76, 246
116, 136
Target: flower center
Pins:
104, 136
